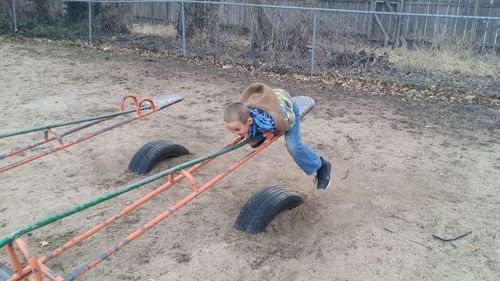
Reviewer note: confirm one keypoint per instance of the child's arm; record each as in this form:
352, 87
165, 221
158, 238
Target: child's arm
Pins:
263, 127
260, 138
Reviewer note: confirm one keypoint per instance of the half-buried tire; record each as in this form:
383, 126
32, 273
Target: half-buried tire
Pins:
153, 152
263, 206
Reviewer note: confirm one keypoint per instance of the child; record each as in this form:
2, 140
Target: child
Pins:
265, 110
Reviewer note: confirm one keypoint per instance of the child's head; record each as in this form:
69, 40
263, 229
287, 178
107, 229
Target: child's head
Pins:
237, 119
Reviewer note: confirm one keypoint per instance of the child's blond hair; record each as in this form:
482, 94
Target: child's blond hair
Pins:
236, 112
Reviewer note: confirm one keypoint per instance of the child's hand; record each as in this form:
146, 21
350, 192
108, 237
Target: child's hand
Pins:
259, 139
268, 135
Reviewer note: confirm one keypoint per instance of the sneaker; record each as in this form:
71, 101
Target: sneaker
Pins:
323, 179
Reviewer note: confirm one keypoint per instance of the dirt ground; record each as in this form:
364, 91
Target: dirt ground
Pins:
403, 171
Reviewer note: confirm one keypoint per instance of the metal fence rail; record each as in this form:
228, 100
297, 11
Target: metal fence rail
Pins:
276, 35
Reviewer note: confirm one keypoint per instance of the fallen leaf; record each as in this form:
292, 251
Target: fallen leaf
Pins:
44, 244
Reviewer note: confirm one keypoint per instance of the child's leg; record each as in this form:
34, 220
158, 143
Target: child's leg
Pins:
303, 155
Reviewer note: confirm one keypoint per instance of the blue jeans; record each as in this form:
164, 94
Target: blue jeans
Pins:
303, 155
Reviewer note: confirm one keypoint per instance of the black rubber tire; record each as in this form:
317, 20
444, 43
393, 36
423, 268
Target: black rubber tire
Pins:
153, 152
263, 206
5, 272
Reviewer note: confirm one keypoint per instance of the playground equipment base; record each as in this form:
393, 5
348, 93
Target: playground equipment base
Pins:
150, 154
263, 206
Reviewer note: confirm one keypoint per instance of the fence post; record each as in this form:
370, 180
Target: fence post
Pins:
90, 23
183, 18
14, 19
373, 7
400, 38
474, 22
313, 48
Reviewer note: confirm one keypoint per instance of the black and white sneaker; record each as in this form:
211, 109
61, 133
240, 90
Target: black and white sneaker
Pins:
323, 175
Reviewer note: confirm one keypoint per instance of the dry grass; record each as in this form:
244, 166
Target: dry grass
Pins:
447, 57
157, 30
236, 42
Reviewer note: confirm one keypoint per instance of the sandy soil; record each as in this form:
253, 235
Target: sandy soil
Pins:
403, 171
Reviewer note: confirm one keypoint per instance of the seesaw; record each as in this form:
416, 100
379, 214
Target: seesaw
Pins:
253, 218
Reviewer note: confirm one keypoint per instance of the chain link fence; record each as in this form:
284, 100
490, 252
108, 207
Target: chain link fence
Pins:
317, 37
250, 36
